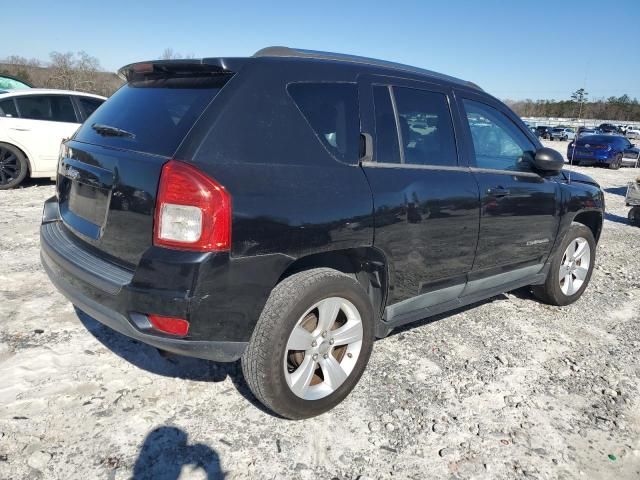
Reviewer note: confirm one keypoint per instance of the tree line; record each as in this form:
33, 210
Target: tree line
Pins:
623, 108
83, 72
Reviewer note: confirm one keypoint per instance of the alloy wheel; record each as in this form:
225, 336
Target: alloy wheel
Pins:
9, 166
323, 348
575, 266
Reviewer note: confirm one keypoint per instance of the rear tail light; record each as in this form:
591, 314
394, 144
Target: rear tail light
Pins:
193, 211
170, 325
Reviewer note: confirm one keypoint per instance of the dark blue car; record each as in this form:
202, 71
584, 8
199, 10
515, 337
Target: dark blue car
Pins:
605, 150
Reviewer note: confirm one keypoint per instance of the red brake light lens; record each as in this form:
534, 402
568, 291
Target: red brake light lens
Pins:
170, 325
193, 211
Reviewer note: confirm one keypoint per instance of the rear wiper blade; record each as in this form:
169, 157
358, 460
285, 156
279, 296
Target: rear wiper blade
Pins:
108, 130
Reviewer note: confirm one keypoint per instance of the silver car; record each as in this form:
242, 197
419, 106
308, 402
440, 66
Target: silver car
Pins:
563, 134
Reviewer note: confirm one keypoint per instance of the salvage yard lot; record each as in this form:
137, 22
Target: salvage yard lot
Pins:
509, 388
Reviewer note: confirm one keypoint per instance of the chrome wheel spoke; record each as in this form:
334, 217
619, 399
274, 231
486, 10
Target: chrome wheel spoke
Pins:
328, 312
580, 250
580, 273
300, 339
569, 284
301, 377
334, 374
350, 332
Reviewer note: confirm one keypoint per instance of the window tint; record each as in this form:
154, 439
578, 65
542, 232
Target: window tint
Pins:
332, 111
89, 105
387, 149
55, 108
157, 111
426, 128
497, 142
8, 108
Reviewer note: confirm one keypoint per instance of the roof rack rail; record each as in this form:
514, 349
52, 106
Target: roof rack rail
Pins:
278, 51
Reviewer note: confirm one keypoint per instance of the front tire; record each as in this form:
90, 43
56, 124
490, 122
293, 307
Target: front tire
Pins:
13, 166
570, 269
311, 344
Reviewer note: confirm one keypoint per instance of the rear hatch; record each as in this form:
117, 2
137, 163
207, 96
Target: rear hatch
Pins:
590, 144
108, 173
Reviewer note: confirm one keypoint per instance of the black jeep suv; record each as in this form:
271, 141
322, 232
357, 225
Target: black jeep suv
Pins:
290, 207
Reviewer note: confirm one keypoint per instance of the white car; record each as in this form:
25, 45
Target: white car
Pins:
632, 133
33, 123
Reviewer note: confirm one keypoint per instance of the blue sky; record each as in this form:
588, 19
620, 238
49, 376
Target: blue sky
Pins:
517, 49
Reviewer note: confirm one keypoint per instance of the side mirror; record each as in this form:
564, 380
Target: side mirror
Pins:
548, 160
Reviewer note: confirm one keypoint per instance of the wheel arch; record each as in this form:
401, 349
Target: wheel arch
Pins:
592, 219
367, 265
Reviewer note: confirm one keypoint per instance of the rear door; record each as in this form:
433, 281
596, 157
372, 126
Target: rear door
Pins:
108, 174
44, 121
519, 208
425, 197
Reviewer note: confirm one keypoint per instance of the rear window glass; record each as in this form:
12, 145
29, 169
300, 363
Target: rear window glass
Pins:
156, 113
89, 105
332, 111
8, 108
600, 139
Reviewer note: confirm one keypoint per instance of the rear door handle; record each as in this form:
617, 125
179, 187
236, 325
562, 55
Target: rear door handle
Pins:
20, 129
498, 192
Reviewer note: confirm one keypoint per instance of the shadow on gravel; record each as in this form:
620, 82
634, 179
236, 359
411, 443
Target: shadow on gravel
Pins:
36, 182
622, 191
166, 450
616, 218
168, 364
442, 316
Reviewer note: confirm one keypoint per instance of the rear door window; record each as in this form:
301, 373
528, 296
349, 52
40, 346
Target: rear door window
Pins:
8, 108
387, 147
331, 109
156, 112
89, 105
426, 128
52, 108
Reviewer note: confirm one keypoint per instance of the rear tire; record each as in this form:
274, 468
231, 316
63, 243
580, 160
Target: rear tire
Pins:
617, 162
13, 166
329, 358
561, 286
634, 216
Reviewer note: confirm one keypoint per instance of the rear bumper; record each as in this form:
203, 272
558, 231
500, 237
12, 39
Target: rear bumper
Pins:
220, 351
220, 296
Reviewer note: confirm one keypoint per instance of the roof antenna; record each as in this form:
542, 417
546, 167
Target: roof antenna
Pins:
575, 137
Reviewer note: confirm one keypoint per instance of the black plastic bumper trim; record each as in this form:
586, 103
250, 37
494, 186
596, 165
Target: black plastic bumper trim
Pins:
221, 351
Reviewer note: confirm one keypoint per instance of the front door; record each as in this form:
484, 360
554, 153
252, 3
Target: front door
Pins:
519, 207
425, 197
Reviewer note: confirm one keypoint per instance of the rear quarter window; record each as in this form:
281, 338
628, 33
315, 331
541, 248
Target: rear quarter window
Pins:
158, 113
331, 109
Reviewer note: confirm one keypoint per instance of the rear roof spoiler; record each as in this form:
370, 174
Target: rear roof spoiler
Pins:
204, 66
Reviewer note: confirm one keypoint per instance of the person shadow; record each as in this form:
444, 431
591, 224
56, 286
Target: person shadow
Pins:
166, 451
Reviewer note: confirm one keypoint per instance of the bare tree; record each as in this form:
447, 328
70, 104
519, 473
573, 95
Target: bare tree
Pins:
171, 54
74, 71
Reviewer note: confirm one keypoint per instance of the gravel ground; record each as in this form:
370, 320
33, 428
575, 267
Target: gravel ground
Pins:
509, 388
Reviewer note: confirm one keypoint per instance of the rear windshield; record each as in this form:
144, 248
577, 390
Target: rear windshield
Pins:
155, 114
599, 139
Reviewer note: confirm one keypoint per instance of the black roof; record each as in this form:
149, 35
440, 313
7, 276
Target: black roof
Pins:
220, 64
340, 57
